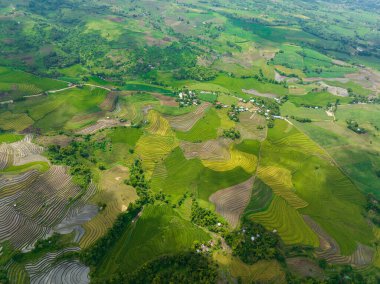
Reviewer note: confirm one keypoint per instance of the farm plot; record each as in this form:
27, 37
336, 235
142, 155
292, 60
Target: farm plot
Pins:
252, 126
15, 121
6, 155
184, 175
260, 198
102, 124
79, 214
329, 249
289, 224
65, 272
187, 121
157, 124
212, 150
265, 271
10, 185
231, 202
40, 269
160, 230
109, 104
113, 198
26, 152
237, 159
280, 181
154, 148
37, 205
308, 177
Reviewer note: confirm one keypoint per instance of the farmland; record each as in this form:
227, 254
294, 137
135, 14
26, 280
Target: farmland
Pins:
189, 141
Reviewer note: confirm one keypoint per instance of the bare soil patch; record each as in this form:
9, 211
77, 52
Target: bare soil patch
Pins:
304, 267
102, 124
231, 202
165, 100
186, 122
256, 93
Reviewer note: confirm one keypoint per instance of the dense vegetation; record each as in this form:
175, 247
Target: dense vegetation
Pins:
189, 141
182, 268
252, 242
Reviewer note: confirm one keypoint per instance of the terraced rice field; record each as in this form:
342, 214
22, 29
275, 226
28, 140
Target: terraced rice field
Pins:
102, 124
237, 159
261, 272
158, 125
6, 155
329, 249
16, 122
205, 129
33, 204
12, 184
302, 143
250, 126
305, 176
191, 176
288, 222
160, 230
44, 270
260, 198
231, 202
187, 121
25, 151
153, 149
17, 273
212, 150
99, 225
116, 196
280, 181
64, 272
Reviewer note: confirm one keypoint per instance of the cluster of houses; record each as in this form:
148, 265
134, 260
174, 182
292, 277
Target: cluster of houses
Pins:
188, 98
205, 248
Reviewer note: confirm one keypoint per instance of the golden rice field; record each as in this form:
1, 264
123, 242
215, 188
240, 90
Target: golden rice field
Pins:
265, 271
280, 180
153, 149
17, 122
237, 158
288, 222
158, 125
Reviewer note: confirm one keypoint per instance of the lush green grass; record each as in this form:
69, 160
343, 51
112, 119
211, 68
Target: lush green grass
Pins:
146, 88
281, 130
356, 154
184, 175
227, 100
363, 114
236, 85
356, 88
289, 109
10, 137
18, 83
125, 135
205, 129
287, 221
261, 197
333, 201
40, 166
320, 99
249, 146
313, 63
209, 97
169, 110
69, 109
159, 231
